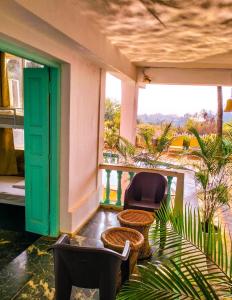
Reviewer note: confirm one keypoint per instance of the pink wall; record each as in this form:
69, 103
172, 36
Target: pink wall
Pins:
80, 84
85, 85
129, 110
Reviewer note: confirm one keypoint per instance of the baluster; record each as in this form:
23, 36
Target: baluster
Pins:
109, 158
169, 190
131, 175
119, 189
107, 198
106, 156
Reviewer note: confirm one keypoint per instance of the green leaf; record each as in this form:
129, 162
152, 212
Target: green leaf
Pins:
184, 265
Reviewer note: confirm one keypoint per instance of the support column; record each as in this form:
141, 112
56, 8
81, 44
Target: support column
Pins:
101, 112
129, 105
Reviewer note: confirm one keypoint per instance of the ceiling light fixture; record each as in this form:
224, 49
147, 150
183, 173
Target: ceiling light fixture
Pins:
146, 78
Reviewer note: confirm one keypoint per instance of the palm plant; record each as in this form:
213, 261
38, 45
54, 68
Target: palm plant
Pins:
187, 263
213, 173
154, 150
125, 148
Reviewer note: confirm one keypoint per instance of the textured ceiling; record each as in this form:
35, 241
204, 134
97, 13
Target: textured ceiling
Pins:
194, 32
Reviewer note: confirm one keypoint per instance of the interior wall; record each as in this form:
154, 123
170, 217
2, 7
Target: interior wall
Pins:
80, 83
85, 85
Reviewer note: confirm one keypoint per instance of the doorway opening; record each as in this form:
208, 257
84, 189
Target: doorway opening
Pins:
12, 168
13, 235
29, 92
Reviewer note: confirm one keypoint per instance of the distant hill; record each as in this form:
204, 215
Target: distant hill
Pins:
159, 118
176, 120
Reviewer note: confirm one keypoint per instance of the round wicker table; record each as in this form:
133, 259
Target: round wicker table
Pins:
141, 221
114, 238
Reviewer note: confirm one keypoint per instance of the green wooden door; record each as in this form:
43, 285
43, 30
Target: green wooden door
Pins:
37, 131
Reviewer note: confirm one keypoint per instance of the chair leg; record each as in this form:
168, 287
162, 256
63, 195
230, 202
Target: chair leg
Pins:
107, 290
63, 287
125, 271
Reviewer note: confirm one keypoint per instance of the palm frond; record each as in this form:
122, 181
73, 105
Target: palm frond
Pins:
164, 140
188, 262
199, 140
188, 230
125, 148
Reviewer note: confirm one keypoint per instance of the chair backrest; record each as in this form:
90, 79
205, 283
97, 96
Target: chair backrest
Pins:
87, 267
149, 187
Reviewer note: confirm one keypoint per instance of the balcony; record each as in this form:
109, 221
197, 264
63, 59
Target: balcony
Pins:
113, 194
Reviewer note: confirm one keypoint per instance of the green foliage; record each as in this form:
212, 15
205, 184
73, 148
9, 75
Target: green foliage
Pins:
205, 122
125, 148
146, 132
188, 262
228, 131
112, 124
112, 111
164, 140
186, 142
213, 172
154, 148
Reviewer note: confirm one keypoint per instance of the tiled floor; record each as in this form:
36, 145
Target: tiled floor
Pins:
102, 220
12, 243
30, 276
13, 238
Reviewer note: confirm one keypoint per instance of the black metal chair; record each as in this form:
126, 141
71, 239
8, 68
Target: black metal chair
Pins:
94, 268
146, 191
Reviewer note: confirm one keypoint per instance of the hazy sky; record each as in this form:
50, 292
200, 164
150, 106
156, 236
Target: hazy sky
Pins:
170, 99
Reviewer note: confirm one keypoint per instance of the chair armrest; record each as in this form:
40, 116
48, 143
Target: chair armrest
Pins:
126, 251
63, 239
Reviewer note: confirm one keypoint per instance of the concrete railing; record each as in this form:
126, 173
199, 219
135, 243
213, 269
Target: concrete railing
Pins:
130, 171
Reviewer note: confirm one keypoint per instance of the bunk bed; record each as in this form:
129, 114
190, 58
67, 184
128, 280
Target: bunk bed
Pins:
11, 117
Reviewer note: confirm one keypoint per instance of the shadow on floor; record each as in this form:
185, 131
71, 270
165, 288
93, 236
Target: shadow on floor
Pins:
12, 217
13, 237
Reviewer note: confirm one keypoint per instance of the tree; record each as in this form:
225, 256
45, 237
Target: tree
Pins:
112, 123
219, 111
112, 111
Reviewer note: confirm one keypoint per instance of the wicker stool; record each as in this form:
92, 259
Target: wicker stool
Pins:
139, 220
115, 238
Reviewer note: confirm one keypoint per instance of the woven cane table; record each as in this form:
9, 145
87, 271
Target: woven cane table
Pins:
114, 238
141, 221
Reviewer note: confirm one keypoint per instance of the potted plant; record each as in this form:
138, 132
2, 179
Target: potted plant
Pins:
153, 148
213, 174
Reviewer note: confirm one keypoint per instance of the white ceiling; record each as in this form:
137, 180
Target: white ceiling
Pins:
194, 33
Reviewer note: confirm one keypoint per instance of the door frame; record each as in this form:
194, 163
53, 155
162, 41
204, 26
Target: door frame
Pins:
55, 120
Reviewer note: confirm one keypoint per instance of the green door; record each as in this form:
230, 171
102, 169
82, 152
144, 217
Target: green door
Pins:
37, 131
